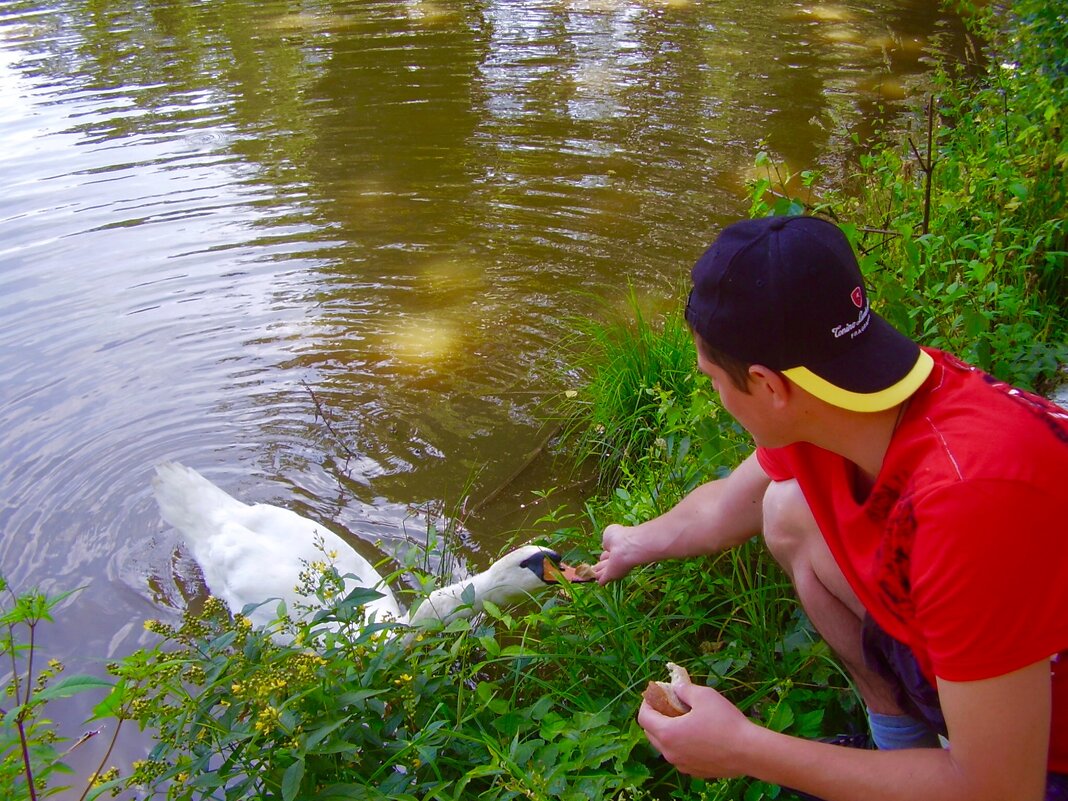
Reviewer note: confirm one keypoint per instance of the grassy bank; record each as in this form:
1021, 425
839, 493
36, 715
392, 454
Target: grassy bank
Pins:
961, 226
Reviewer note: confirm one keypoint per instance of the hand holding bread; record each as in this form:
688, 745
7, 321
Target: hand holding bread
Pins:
661, 695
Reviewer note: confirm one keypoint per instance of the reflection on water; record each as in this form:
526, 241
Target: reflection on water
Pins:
325, 256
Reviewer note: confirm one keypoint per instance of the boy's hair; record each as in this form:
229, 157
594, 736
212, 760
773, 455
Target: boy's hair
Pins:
737, 370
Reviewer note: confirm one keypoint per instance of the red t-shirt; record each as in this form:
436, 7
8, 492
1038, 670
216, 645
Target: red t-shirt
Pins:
960, 550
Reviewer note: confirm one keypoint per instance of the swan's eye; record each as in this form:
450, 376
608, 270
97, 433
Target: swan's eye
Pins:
537, 561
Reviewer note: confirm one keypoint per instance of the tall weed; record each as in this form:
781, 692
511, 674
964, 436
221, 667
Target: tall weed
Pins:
965, 241
626, 366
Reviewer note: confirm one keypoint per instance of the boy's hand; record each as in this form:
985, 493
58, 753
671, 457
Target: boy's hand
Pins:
618, 555
705, 741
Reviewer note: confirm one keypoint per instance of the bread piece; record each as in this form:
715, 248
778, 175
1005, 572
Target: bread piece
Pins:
585, 571
679, 675
661, 696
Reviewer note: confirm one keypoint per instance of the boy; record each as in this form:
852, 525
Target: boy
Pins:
917, 506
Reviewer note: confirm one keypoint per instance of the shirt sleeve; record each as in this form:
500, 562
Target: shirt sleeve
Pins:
776, 463
989, 578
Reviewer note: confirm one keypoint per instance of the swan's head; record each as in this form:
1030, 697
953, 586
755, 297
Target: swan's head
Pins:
531, 567
515, 576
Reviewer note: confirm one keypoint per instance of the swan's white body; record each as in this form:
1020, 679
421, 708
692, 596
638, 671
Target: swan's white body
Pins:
253, 553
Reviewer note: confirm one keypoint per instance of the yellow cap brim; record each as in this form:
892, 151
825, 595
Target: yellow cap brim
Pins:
863, 401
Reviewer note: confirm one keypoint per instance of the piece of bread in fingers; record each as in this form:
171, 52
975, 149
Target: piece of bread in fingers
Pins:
661, 696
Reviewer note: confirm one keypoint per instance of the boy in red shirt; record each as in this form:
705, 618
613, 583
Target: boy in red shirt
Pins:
917, 505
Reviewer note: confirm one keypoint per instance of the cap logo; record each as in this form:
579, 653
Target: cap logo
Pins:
857, 296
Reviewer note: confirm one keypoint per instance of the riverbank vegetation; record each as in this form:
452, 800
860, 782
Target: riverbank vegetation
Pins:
961, 227
962, 223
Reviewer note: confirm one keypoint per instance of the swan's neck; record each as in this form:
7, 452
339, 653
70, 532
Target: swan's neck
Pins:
457, 600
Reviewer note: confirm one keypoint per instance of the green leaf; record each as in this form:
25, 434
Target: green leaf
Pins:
12, 715
781, 717
223, 641
291, 780
541, 707
319, 734
788, 207
335, 748
478, 772
112, 703
493, 648
975, 322
485, 691
1018, 190
71, 685
518, 650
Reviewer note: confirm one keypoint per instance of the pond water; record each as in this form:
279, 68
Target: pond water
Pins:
324, 252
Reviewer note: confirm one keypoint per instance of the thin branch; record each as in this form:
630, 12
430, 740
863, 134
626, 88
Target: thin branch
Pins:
927, 165
103, 761
930, 165
329, 426
916, 153
14, 661
29, 663
526, 462
882, 232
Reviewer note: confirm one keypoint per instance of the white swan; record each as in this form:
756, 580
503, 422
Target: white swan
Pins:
252, 553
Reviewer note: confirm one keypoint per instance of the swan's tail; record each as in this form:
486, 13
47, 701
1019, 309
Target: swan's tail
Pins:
188, 501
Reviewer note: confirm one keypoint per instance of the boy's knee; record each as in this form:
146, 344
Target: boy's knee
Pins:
788, 522
793, 538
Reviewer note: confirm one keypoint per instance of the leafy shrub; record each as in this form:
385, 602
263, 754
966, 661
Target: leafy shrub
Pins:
961, 229
31, 762
364, 713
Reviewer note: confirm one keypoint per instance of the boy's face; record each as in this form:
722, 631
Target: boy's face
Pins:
751, 409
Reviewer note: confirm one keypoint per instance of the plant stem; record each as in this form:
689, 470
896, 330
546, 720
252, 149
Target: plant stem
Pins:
927, 165
103, 761
14, 662
339, 441
26, 758
930, 165
524, 463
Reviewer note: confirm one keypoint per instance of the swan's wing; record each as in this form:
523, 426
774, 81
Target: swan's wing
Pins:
263, 556
285, 528
242, 568
306, 540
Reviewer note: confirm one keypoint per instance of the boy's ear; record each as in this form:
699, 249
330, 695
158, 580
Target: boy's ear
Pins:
770, 383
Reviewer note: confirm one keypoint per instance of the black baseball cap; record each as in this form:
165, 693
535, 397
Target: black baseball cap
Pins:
787, 293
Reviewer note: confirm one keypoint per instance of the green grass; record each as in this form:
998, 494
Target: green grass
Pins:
627, 366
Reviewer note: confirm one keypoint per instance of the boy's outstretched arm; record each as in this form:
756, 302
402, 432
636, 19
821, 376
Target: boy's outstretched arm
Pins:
715, 516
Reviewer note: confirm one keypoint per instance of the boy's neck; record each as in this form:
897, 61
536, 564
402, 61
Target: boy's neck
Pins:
861, 437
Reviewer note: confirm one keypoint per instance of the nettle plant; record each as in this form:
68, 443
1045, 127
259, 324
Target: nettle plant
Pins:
32, 753
364, 711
